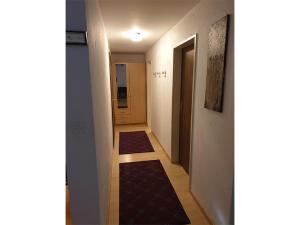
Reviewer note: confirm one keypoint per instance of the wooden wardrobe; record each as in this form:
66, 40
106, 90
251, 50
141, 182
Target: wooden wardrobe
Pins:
129, 101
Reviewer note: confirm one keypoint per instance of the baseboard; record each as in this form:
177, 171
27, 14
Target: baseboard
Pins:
164, 151
202, 210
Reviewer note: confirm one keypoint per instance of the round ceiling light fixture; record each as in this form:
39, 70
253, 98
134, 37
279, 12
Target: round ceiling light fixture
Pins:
135, 35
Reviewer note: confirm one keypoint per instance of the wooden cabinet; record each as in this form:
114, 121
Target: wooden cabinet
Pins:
129, 93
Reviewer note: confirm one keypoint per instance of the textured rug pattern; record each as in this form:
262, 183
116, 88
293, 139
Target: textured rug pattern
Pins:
147, 196
134, 142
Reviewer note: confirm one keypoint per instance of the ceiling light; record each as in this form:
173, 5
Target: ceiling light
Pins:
135, 35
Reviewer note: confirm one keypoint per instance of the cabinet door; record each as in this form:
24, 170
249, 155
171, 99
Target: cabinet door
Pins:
137, 92
121, 90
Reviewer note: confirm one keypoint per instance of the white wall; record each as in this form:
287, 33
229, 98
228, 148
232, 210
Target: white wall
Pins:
213, 132
101, 95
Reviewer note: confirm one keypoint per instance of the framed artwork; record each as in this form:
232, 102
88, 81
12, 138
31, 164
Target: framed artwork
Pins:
217, 39
76, 38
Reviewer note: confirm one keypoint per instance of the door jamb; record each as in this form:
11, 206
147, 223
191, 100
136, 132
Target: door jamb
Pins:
148, 66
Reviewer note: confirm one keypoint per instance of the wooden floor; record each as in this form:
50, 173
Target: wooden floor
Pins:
176, 174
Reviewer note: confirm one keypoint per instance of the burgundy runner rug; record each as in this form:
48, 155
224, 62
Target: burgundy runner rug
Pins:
147, 196
134, 142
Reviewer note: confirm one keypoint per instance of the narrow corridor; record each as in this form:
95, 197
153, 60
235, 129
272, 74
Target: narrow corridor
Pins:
135, 68
175, 173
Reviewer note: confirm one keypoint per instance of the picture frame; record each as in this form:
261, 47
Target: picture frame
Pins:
216, 61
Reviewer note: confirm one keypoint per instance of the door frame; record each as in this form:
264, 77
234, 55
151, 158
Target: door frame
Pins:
111, 95
148, 92
176, 91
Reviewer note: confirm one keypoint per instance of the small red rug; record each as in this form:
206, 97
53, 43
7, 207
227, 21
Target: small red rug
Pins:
147, 196
134, 142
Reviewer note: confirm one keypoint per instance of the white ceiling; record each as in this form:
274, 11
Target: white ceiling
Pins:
153, 16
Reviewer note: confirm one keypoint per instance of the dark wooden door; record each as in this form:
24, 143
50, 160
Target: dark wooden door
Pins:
186, 106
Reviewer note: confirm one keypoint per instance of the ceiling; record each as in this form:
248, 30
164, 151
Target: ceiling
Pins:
155, 17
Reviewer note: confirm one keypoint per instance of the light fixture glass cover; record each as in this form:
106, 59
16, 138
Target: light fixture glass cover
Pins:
135, 35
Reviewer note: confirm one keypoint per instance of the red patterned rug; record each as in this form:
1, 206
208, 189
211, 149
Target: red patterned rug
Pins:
147, 196
134, 142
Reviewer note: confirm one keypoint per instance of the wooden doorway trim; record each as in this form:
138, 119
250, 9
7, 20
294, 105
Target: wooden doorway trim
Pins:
176, 91
148, 92
112, 98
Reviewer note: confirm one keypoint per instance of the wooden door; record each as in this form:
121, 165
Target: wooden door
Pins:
186, 106
137, 92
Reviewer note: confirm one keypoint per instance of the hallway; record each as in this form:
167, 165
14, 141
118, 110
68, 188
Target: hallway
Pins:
126, 66
150, 112
176, 174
